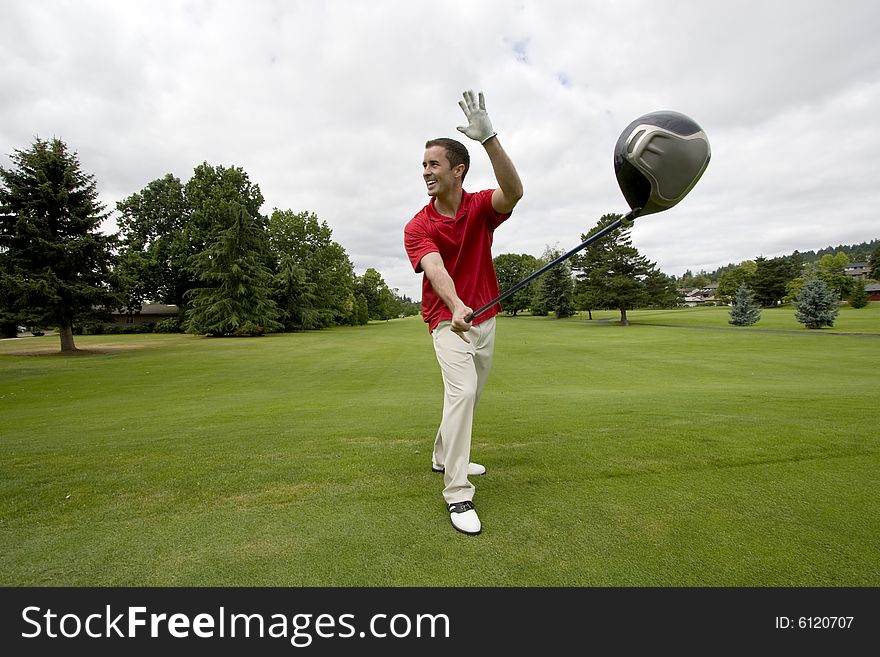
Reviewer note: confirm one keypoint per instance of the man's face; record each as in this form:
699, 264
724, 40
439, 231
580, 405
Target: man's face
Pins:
440, 177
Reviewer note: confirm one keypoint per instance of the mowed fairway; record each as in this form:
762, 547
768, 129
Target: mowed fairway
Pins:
648, 455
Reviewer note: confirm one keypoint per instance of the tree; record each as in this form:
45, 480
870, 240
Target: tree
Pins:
363, 310
794, 286
730, 280
387, 303
208, 194
816, 304
834, 264
692, 281
236, 298
376, 292
874, 263
55, 265
660, 290
153, 260
556, 287
611, 271
301, 241
858, 297
831, 270
510, 269
167, 223
771, 277
744, 311
587, 298
403, 306
295, 295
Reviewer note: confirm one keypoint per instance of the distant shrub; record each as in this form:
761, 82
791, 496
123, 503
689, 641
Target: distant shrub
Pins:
169, 325
128, 329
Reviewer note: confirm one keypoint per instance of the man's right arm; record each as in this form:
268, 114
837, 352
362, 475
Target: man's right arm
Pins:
444, 286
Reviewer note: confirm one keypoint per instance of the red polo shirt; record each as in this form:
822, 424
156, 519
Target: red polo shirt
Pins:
465, 244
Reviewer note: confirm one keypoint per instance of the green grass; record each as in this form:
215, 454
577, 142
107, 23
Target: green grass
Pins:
636, 456
849, 320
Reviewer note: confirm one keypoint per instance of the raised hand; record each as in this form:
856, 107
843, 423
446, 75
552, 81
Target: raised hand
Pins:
479, 126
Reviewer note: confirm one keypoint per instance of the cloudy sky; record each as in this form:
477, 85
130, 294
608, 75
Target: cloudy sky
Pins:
327, 105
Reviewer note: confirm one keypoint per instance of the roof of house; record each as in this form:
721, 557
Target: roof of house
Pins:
153, 309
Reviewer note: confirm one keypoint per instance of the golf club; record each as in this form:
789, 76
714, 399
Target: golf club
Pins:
658, 159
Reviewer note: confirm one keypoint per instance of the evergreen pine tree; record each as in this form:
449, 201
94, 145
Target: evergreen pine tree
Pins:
744, 311
858, 298
295, 294
237, 298
55, 264
613, 272
816, 304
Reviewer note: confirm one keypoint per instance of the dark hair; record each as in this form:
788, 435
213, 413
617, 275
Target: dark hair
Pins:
456, 153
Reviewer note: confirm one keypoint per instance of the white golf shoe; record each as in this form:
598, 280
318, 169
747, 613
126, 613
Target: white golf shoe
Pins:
474, 469
464, 517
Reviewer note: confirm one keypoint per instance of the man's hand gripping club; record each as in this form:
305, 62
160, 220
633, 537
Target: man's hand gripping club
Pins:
443, 285
460, 325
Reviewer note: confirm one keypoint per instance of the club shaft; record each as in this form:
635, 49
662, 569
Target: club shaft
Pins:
565, 256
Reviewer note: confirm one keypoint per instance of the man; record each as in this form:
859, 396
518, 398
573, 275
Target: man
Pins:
450, 241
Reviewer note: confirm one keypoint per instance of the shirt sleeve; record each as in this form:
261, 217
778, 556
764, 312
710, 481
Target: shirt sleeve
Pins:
494, 219
418, 243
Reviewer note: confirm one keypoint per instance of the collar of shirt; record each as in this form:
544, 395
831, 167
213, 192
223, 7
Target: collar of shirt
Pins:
433, 215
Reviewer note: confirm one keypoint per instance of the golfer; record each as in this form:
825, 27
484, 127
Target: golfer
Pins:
450, 242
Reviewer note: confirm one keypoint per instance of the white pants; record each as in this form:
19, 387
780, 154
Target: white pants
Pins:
465, 369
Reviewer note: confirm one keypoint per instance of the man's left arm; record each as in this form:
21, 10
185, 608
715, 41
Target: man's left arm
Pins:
510, 189
479, 128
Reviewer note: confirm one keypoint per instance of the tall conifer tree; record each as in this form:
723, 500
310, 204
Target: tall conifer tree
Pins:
55, 264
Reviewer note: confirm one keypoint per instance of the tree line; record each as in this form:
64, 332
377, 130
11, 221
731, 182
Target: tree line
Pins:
865, 252
608, 274
612, 274
779, 280
202, 245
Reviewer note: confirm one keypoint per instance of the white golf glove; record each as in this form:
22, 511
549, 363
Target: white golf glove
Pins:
479, 126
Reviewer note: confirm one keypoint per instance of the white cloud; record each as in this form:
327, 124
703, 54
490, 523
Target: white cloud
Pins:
327, 105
